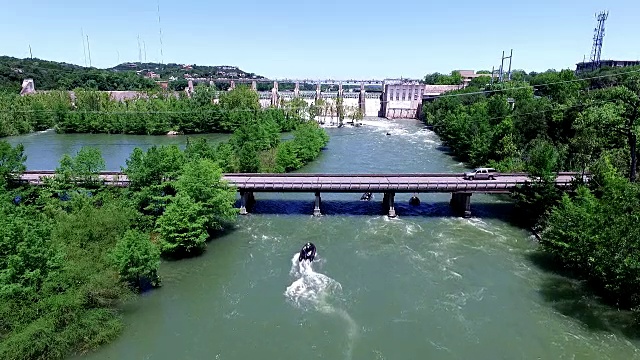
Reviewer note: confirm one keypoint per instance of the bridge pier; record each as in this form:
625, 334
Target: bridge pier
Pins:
244, 196
274, 94
461, 204
383, 100
388, 204
318, 92
316, 209
246, 202
362, 99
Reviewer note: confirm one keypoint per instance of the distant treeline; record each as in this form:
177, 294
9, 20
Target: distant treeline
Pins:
155, 113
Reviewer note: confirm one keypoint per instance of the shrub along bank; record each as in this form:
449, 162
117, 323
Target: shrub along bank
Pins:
153, 113
72, 251
556, 121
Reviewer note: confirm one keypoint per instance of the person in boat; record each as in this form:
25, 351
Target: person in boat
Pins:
308, 252
366, 196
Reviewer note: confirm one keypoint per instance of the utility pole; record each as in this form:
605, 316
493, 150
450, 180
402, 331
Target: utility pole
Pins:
493, 73
160, 27
89, 50
501, 66
84, 49
501, 71
510, 56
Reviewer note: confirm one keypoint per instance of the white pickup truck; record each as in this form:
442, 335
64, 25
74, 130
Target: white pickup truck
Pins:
481, 174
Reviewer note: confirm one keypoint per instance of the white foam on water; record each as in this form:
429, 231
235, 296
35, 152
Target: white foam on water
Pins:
313, 291
377, 123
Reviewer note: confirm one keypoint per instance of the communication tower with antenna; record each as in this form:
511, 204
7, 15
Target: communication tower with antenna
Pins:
597, 40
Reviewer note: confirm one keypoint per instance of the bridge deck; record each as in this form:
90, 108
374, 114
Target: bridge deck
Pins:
356, 183
398, 183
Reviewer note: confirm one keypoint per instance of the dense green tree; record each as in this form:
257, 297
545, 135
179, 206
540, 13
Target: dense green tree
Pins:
240, 98
11, 162
137, 259
595, 234
625, 124
157, 165
439, 79
182, 228
27, 258
480, 81
83, 169
201, 181
286, 157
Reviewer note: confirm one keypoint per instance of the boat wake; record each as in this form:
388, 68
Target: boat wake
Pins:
312, 291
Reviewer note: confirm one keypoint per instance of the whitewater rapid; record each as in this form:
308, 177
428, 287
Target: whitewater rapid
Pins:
313, 291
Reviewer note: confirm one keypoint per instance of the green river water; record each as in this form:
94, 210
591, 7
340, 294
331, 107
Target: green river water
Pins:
426, 285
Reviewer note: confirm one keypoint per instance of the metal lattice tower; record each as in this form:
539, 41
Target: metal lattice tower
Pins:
597, 39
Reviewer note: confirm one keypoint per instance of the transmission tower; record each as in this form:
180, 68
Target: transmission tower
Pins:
597, 40
501, 76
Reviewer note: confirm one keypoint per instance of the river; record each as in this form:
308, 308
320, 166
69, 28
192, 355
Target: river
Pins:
425, 285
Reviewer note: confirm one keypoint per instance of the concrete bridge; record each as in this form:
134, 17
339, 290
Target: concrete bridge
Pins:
388, 184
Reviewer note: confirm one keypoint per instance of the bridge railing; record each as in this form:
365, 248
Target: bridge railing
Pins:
386, 186
337, 175
320, 175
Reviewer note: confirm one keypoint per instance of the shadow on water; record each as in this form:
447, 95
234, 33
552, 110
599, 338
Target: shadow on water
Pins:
374, 208
576, 299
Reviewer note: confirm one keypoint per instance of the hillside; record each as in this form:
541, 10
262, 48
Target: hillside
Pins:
181, 71
52, 75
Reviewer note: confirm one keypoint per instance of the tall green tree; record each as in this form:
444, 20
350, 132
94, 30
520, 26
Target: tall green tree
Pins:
201, 181
182, 228
11, 162
137, 259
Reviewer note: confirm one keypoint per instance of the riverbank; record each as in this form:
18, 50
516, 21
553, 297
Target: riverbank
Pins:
551, 124
91, 248
152, 113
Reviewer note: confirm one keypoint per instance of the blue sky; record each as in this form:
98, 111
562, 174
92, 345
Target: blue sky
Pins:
323, 39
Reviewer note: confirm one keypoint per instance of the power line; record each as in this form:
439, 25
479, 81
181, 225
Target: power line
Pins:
89, 50
284, 109
160, 27
213, 111
84, 50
